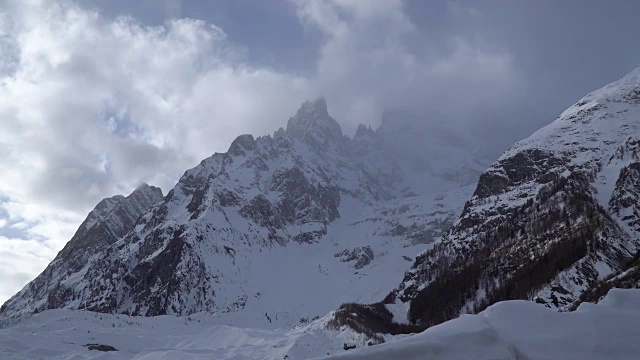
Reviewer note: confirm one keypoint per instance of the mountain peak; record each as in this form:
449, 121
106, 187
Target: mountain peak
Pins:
148, 191
364, 130
142, 186
241, 144
318, 105
313, 119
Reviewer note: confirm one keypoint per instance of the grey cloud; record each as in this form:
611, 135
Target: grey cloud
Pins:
122, 103
563, 50
98, 106
369, 64
20, 260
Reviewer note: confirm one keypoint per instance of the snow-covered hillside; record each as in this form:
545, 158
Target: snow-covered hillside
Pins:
66, 334
513, 330
508, 330
550, 218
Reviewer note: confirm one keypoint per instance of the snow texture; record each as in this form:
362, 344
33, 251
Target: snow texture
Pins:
507, 330
519, 329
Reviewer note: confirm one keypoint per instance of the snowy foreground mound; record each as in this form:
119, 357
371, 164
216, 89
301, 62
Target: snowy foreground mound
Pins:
507, 330
525, 330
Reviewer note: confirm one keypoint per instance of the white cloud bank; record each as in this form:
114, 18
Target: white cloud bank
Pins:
91, 107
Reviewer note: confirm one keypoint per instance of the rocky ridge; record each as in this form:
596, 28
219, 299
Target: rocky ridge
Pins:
548, 220
110, 220
259, 233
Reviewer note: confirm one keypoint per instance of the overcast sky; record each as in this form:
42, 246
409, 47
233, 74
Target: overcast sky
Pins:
98, 96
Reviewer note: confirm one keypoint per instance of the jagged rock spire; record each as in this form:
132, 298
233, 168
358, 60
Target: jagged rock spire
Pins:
313, 121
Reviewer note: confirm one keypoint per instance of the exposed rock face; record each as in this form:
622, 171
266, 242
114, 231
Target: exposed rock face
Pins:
313, 124
242, 144
556, 213
100, 347
110, 220
362, 256
628, 277
624, 204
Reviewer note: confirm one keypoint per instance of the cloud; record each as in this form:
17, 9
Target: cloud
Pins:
374, 58
90, 93
19, 261
92, 106
456, 9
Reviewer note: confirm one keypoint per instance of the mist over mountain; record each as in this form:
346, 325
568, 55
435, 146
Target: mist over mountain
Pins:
319, 179
312, 231
345, 215
547, 222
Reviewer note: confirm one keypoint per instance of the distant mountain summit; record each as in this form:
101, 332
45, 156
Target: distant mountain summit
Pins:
312, 122
277, 229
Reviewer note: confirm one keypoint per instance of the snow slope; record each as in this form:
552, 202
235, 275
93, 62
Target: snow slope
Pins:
64, 334
550, 218
507, 330
514, 330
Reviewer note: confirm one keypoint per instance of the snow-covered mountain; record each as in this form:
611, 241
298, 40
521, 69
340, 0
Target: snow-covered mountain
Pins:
282, 229
109, 221
278, 230
550, 218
